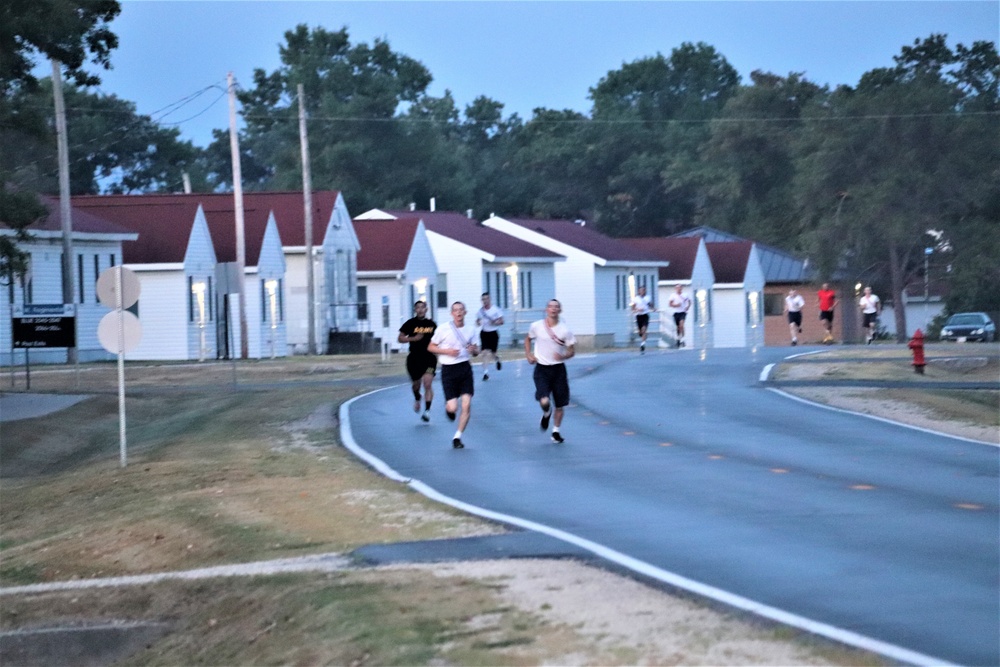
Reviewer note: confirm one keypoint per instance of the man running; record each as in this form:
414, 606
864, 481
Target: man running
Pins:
870, 306
554, 344
490, 318
420, 364
681, 303
794, 303
826, 300
642, 307
455, 344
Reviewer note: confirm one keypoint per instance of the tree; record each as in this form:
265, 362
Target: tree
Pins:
71, 31
747, 166
882, 164
650, 120
112, 147
373, 130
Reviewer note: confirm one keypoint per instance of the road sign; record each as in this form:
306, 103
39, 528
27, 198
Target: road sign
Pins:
44, 325
107, 332
107, 281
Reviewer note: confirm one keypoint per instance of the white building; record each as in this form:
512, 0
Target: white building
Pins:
737, 295
97, 245
473, 258
596, 282
690, 267
396, 268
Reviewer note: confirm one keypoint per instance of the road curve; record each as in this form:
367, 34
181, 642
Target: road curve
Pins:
680, 465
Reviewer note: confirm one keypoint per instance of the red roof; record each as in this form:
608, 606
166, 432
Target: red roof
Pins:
163, 221
471, 232
586, 239
729, 260
680, 252
385, 244
83, 221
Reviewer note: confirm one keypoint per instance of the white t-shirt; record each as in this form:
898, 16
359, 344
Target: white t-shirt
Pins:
488, 317
450, 337
680, 302
794, 303
550, 341
869, 304
641, 304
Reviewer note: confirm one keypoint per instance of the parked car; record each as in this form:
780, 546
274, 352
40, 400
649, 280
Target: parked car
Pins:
969, 326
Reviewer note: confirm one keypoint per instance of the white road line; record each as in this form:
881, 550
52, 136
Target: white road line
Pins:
881, 419
641, 567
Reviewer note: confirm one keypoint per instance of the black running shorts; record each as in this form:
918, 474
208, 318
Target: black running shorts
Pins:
456, 380
642, 321
419, 364
795, 318
552, 380
490, 340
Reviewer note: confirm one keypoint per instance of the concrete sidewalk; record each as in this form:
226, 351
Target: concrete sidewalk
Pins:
15, 406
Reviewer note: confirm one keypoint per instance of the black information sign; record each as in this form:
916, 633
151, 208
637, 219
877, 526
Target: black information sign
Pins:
44, 325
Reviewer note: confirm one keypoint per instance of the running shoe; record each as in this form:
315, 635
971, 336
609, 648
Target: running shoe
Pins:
557, 437
425, 417
486, 376
416, 405
642, 348
457, 443
545, 421
451, 415
499, 365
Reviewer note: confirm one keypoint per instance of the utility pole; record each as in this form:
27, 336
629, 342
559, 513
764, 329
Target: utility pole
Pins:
234, 147
307, 203
65, 211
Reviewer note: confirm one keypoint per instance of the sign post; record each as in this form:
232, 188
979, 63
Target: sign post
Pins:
119, 331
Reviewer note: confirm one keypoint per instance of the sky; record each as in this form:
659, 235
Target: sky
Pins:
174, 55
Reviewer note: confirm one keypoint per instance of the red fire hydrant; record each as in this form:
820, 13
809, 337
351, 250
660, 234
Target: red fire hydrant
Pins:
917, 345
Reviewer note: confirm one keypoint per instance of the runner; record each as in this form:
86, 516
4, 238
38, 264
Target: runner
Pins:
681, 303
455, 344
642, 307
490, 318
420, 364
794, 303
826, 300
554, 344
870, 306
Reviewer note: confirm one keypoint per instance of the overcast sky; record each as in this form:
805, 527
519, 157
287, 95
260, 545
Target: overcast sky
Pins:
524, 54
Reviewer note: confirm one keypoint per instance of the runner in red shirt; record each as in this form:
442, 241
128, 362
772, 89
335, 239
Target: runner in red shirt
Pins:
827, 302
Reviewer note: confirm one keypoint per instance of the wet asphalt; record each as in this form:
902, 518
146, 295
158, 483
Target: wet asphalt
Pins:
684, 463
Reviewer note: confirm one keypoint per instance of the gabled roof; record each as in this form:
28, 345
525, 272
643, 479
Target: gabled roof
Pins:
84, 222
164, 227
459, 227
586, 239
163, 223
729, 260
680, 252
385, 244
778, 266
288, 208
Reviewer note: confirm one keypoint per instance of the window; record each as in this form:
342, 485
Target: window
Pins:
363, 301
754, 313
442, 295
79, 277
385, 316
774, 304
211, 300
97, 273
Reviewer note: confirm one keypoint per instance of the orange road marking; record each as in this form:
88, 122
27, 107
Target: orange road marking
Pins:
862, 487
666, 444
716, 456
968, 506
779, 471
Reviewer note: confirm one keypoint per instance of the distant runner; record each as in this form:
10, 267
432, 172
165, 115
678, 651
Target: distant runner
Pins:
490, 318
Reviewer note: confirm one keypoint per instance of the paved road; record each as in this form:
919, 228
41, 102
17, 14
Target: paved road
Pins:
683, 462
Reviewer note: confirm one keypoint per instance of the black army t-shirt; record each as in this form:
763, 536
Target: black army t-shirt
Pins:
414, 326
